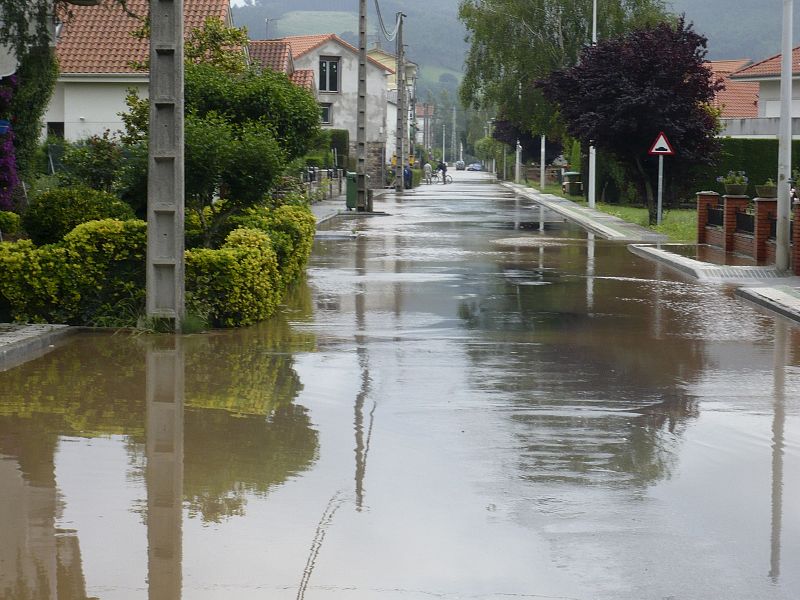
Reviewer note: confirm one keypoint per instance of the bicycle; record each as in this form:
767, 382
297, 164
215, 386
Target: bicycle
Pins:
436, 178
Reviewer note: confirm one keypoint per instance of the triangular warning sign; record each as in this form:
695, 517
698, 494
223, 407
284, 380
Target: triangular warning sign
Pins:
661, 145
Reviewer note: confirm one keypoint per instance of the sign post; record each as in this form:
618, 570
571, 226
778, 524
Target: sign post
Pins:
660, 148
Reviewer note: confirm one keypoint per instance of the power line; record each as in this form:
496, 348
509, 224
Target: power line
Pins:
389, 36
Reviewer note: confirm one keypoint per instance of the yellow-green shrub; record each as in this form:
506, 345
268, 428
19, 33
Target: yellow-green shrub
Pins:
291, 229
96, 270
236, 285
9, 222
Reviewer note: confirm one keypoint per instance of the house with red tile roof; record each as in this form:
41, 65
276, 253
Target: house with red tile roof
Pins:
332, 64
738, 99
97, 54
277, 56
766, 75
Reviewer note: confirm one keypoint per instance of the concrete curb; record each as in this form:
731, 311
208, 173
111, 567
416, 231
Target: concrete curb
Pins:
782, 299
603, 224
27, 342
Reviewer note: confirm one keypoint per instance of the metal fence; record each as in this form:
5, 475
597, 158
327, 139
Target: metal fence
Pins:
715, 216
745, 222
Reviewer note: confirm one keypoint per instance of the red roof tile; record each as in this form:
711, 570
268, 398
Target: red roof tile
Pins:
769, 67
302, 44
739, 99
97, 39
272, 54
303, 78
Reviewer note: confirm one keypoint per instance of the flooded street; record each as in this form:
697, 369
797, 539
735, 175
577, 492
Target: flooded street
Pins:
455, 405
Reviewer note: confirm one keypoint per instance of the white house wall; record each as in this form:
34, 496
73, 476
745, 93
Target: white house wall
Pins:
89, 107
391, 130
769, 98
344, 103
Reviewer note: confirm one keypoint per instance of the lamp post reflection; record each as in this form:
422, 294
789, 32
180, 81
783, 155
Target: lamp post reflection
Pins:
164, 448
778, 422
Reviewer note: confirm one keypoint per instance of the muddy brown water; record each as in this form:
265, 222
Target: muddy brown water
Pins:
438, 412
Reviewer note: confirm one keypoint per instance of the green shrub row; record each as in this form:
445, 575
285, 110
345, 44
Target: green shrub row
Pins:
96, 271
95, 275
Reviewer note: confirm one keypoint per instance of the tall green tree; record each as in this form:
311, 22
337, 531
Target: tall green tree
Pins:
513, 43
627, 89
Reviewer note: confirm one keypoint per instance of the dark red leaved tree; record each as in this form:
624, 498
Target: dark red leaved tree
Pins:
626, 90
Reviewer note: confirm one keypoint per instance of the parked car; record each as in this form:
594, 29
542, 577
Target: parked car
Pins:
460, 165
475, 167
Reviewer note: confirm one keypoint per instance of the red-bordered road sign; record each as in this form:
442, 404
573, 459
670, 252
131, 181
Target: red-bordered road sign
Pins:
661, 146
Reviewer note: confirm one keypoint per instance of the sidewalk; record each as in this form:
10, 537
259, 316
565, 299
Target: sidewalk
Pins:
21, 343
763, 285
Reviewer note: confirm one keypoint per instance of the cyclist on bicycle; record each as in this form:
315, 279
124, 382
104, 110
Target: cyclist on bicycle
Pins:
443, 168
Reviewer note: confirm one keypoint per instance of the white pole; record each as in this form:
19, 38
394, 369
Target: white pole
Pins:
444, 130
518, 163
592, 149
541, 166
785, 143
660, 186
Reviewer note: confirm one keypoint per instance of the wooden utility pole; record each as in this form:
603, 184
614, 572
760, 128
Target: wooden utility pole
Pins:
361, 125
165, 182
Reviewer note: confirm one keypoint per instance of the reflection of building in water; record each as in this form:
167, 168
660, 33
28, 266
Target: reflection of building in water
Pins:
36, 559
165, 377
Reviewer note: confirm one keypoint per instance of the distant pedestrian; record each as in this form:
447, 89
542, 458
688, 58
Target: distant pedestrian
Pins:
407, 177
428, 172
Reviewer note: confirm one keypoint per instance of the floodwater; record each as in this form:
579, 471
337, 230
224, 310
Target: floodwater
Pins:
456, 405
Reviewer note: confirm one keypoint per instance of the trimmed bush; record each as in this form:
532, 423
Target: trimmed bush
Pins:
54, 213
236, 285
9, 222
97, 270
291, 229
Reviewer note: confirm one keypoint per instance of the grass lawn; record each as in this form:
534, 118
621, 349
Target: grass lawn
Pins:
680, 225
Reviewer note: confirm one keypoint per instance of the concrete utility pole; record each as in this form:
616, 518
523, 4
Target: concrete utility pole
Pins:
165, 183
785, 143
592, 149
444, 137
361, 122
400, 81
412, 136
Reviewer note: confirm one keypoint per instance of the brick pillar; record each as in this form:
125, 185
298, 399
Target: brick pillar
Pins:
765, 209
796, 239
704, 200
731, 205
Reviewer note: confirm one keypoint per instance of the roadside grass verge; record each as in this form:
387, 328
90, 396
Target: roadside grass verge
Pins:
679, 224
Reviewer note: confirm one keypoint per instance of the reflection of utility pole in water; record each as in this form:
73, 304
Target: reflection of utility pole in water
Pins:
778, 422
589, 272
362, 445
165, 380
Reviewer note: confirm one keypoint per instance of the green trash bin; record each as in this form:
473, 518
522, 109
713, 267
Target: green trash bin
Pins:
572, 183
352, 191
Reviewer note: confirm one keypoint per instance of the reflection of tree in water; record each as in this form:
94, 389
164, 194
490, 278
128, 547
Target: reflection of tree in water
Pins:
594, 400
253, 439
227, 457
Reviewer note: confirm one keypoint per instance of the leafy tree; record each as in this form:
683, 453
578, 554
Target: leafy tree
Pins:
93, 162
256, 95
627, 89
516, 42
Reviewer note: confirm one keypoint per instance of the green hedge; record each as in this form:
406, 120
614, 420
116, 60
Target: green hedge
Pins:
291, 229
237, 284
54, 213
758, 158
96, 271
96, 274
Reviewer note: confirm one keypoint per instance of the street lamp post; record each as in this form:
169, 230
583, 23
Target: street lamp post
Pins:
592, 149
785, 143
